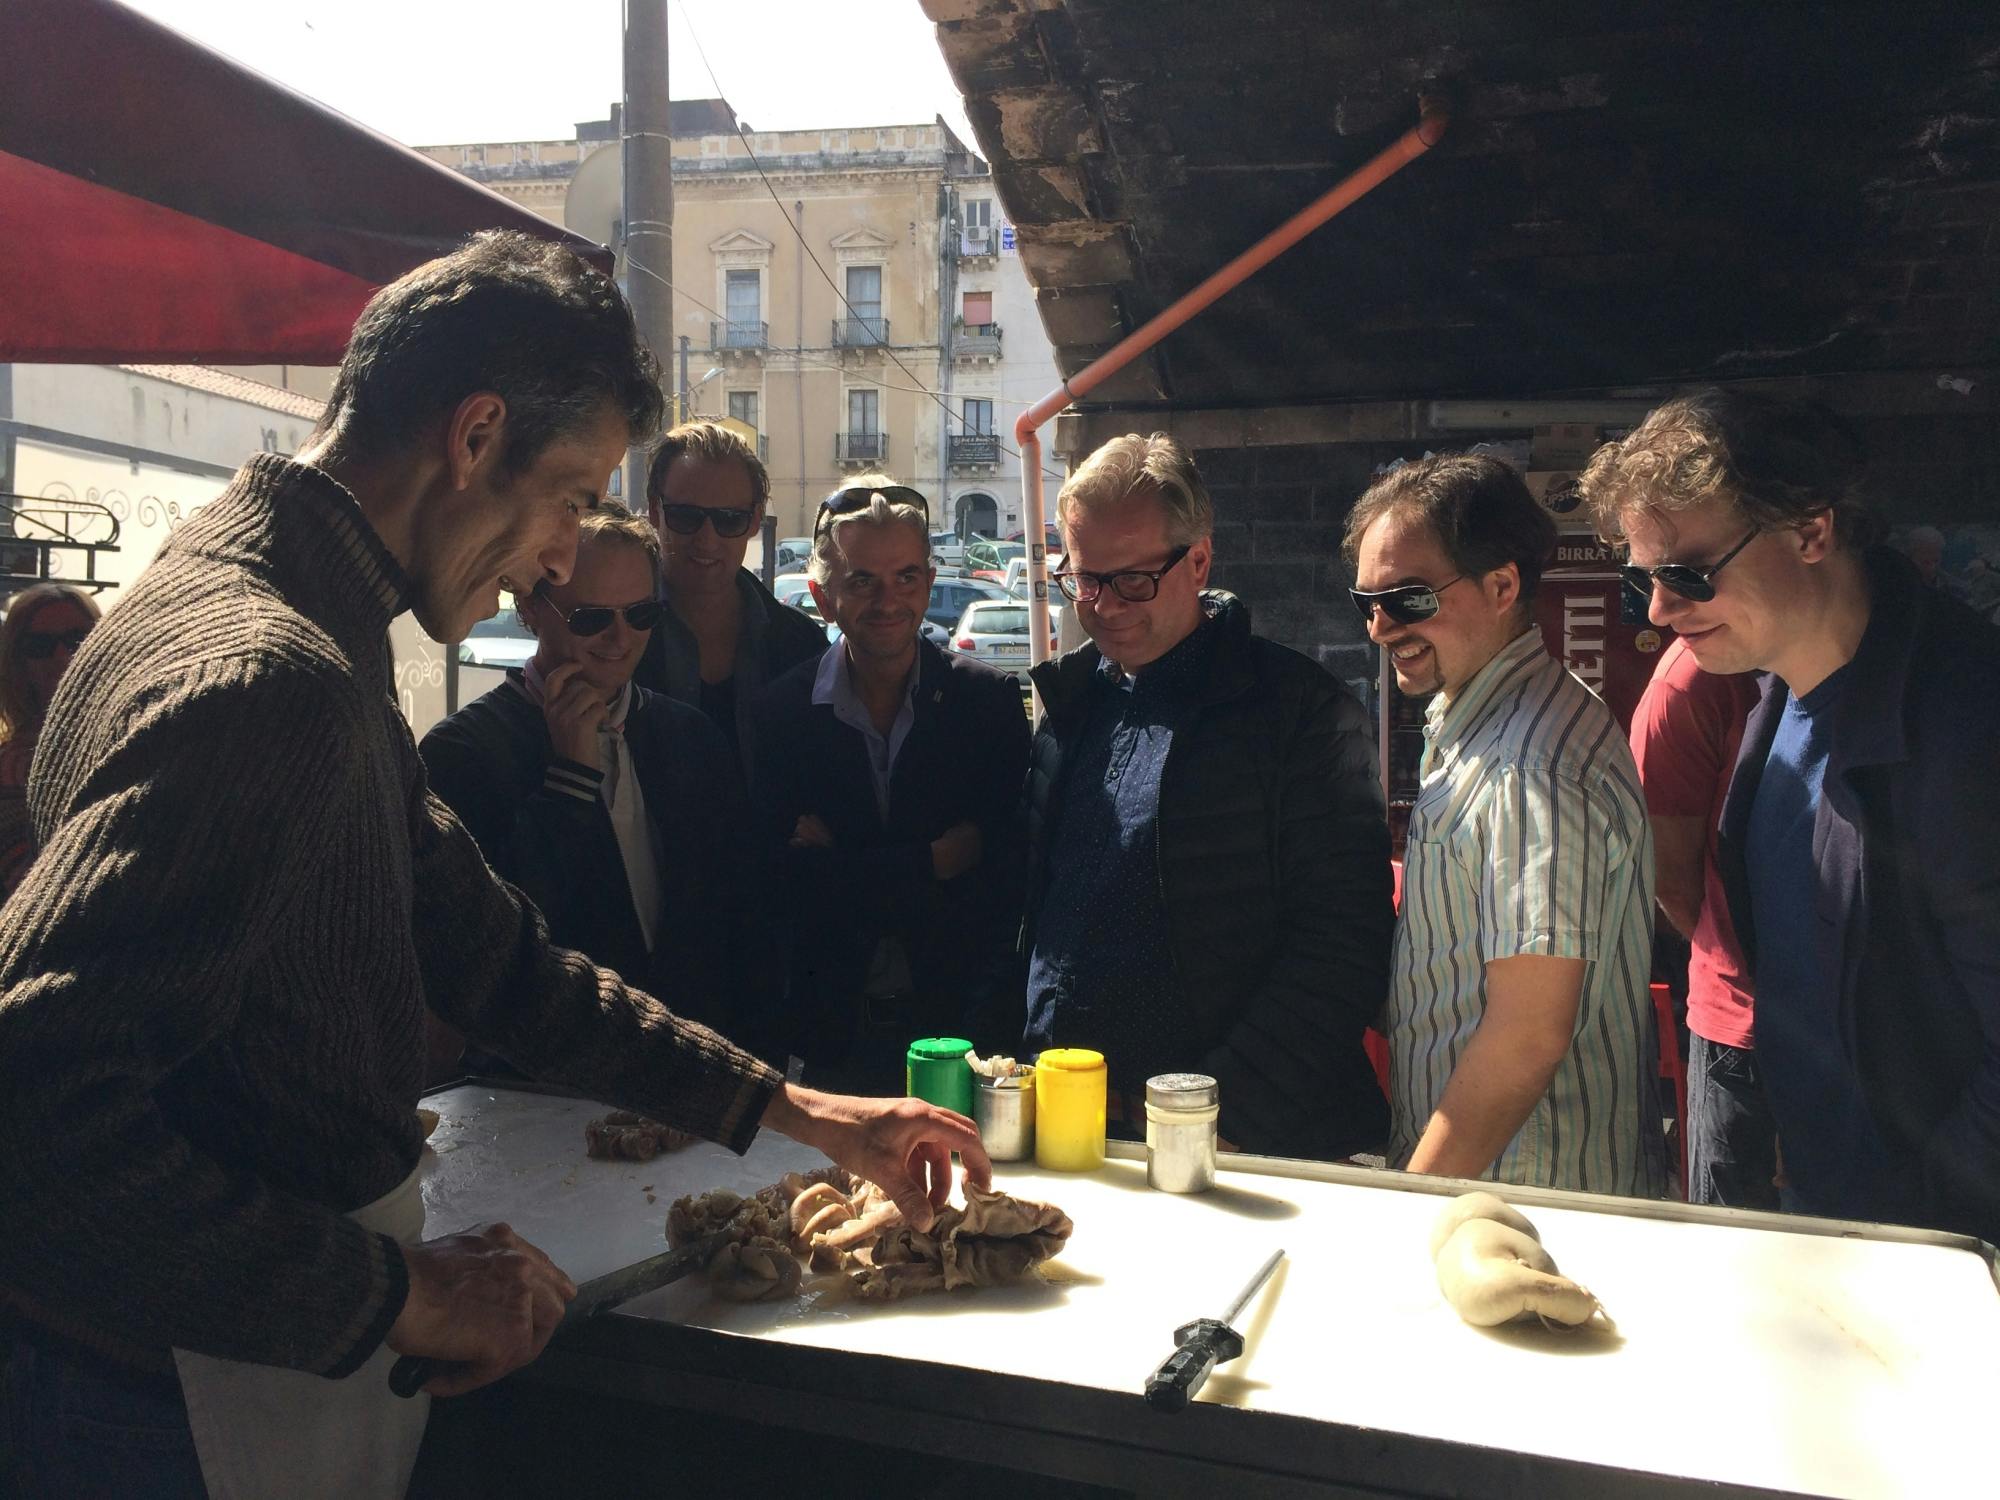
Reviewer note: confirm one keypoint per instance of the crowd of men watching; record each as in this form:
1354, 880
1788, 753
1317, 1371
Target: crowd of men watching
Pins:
1188, 867
254, 901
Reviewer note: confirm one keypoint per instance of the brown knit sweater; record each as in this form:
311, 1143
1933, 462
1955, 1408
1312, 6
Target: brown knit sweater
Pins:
212, 981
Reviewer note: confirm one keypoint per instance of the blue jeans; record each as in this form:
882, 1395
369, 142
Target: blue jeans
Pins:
73, 1427
1732, 1138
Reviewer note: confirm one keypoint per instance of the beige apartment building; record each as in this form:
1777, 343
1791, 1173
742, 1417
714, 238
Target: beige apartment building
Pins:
837, 294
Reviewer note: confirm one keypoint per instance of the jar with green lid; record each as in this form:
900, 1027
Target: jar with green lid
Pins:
935, 1069
1069, 1109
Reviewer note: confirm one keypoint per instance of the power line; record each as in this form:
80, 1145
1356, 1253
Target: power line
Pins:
880, 343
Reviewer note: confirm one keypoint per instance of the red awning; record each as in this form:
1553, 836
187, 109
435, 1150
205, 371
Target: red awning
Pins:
166, 205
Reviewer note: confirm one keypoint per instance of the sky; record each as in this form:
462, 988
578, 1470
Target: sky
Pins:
428, 73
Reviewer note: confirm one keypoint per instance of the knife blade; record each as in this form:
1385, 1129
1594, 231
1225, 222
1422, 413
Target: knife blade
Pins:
412, 1372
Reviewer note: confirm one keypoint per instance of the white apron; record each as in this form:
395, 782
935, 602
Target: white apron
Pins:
264, 1432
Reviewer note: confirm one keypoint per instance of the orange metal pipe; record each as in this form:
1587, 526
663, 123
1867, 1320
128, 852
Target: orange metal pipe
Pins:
1413, 143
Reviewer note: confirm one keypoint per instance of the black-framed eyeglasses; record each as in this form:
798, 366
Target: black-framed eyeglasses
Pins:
841, 502
595, 619
1133, 585
1684, 579
40, 645
1406, 604
729, 521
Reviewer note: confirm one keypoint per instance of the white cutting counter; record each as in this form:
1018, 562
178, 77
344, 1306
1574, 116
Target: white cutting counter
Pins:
1863, 1364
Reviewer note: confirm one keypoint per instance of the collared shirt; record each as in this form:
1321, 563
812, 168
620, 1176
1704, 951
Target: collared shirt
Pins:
1102, 974
834, 685
1529, 836
619, 791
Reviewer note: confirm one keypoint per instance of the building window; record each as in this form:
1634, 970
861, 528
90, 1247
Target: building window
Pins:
743, 407
978, 217
864, 413
978, 417
978, 309
744, 295
864, 297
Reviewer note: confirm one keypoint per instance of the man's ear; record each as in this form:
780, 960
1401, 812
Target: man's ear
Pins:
1201, 560
819, 597
1815, 538
1503, 587
474, 436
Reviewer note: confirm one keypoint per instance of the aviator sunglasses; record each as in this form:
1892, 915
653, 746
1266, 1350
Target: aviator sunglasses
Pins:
595, 619
1406, 604
1684, 579
840, 502
685, 520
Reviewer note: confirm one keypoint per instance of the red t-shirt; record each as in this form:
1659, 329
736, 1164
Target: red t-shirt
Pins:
1685, 734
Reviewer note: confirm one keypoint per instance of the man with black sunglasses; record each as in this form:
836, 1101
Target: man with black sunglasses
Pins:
724, 638
1209, 872
887, 774
1521, 1044
1860, 837
620, 812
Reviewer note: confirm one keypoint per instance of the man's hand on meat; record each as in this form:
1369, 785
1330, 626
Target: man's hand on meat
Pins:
902, 1145
486, 1301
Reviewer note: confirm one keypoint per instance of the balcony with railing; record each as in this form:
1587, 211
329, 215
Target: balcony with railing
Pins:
739, 337
973, 450
860, 447
977, 341
860, 333
978, 242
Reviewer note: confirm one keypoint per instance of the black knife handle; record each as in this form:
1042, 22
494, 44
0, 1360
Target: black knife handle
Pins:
412, 1372
1202, 1344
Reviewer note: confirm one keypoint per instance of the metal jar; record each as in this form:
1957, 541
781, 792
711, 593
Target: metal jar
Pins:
1181, 1111
1004, 1110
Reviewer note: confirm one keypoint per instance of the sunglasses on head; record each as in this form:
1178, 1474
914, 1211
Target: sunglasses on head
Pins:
595, 619
1406, 604
728, 520
842, 502
40, 645
1684, 579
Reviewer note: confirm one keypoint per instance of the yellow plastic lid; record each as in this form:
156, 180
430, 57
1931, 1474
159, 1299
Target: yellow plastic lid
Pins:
1071, 1059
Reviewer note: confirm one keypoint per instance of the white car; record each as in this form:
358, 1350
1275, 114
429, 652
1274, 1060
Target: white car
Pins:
995, 631
501, 642
794, 589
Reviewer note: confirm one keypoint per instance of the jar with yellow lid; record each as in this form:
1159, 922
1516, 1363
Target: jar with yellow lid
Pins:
1069, 1109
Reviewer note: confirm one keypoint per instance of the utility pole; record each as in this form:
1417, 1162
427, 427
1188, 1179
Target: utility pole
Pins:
687, 395
647, 158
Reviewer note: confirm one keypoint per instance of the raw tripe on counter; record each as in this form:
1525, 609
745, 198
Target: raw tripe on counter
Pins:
1492, 1268
857, 1239
624, 1135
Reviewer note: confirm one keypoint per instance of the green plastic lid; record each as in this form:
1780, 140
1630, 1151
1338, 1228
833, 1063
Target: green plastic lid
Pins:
940, 1049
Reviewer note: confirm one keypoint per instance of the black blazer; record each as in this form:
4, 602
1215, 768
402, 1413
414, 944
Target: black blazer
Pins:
1906, 865
964, 760
489, 762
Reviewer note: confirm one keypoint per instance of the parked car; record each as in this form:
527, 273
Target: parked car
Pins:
1051, 536
501, 642
949, 599
792, 588
947, 551
989, 560
793, 552
995, 631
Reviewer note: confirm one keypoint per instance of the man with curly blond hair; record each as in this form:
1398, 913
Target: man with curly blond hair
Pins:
1860, 839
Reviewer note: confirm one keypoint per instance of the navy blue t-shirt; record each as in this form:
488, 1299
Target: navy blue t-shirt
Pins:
1835, 1161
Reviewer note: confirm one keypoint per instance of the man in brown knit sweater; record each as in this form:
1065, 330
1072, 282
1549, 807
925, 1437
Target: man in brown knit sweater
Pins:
213, 980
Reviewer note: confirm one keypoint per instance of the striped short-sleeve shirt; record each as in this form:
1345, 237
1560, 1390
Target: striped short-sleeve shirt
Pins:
1529, 836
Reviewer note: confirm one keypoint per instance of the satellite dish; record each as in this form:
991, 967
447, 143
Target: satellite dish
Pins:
594, 200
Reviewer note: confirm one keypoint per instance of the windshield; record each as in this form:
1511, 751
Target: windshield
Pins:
1001, 621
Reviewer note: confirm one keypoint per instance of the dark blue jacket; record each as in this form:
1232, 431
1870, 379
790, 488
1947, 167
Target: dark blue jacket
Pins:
1273, 864
489, 763
964, 760
1906, 850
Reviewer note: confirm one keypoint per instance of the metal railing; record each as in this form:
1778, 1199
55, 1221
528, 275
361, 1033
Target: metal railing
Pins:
860, 333
972, 449
860, 447
36, 527
977, 339
739, 336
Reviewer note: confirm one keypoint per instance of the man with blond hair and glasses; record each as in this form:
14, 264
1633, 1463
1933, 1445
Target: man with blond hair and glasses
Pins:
1209, 872
887, 774
1860, 838
724, 638
1521, 1044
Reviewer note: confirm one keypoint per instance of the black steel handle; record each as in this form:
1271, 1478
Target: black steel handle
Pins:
1203, 1344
